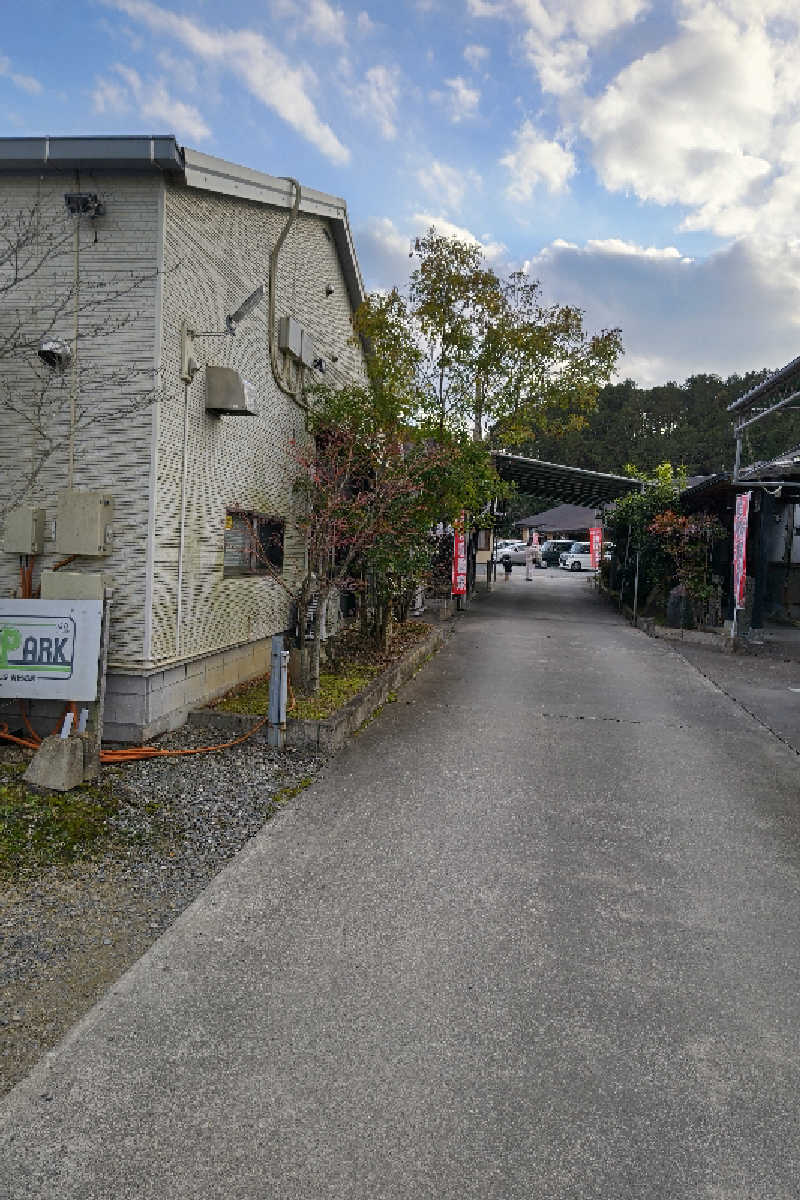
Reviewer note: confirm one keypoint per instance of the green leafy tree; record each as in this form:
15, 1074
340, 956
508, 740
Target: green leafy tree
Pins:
687, 423
459, 306
628, 524
547, 370
363, 506
688, 542
494, 356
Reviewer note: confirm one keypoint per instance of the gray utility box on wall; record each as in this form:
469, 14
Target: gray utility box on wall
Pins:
294, 340
24, 530
227, 393
85, 523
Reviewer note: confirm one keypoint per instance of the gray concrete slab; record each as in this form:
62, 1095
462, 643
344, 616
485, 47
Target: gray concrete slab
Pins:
767, 687
534, 934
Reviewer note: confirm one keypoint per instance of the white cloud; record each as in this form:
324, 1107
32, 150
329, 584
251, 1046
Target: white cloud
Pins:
314, 19
709, 121
383, 252
376, 98
460, 99
258, 65
486, 8
364, 23
447, 184
737, 310
150, 100
110, 96
536, 160
476, 55
551, 19
620, 246
491, 249
562, 66
558, 35
27, 83
177, 67
325, 23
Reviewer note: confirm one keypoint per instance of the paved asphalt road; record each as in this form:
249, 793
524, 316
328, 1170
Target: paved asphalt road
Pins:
534, 934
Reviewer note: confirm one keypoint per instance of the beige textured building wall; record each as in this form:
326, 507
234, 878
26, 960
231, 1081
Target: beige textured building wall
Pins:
119, 261
217, 252
162, 253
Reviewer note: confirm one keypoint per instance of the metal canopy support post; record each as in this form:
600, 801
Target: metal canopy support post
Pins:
636, 590
636, 577
278, 682
738, 462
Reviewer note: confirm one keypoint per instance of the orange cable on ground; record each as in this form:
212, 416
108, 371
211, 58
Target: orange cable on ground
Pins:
136, 752
132, 753
10, 737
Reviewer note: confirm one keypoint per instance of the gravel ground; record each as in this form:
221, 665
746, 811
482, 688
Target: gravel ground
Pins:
68, 931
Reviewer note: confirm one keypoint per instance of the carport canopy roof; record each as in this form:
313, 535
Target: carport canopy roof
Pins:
573, 485
561, 518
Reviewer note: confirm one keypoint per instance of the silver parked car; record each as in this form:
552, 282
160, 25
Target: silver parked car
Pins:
517, 552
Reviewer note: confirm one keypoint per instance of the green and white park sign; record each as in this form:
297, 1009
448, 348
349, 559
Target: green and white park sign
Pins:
49, 649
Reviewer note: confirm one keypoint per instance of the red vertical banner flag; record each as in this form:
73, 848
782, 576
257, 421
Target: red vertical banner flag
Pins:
740, 548
595, 545
459, 559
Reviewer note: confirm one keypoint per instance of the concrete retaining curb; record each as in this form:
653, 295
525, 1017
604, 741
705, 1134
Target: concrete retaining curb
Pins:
722, 642
330, 734
768, 646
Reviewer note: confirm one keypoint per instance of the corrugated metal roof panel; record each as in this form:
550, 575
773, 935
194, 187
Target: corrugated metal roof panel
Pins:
762, 390
571, 484
562, 517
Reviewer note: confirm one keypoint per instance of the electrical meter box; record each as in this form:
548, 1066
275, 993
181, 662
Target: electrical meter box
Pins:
74, 585
84, 524
307, 349
290, 335
24, 532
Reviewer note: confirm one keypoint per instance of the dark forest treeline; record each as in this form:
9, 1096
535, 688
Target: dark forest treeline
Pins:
685, 424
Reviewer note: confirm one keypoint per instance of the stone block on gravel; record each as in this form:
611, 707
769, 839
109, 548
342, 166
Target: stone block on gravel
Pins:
57, 764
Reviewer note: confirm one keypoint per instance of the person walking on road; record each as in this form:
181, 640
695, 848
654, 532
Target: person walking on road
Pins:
531, 557
507, 567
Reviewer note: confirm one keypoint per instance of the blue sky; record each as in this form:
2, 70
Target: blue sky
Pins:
642, 159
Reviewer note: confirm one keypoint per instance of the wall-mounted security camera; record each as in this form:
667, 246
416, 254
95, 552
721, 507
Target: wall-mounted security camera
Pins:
329, 289
55, 352
319, 365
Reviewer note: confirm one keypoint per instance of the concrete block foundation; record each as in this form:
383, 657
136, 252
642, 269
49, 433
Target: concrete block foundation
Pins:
141, 705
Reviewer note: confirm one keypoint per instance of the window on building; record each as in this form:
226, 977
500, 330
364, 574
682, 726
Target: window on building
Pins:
484, 537
253, 543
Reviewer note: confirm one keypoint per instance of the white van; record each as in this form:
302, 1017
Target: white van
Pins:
579, 558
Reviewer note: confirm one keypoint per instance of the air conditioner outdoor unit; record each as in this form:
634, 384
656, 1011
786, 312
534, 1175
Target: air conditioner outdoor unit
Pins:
228, 394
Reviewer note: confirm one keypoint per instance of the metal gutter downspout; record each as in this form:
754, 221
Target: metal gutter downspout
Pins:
273, 285
73, 390
182, 532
